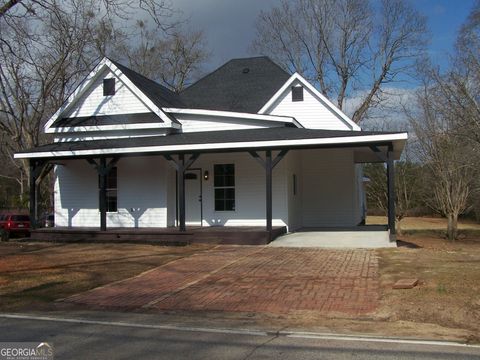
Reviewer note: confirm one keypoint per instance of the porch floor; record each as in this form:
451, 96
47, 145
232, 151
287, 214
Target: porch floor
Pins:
238, 235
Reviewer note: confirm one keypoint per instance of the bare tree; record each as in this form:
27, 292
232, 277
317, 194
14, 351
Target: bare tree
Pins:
345, 46
447, 156
173, 59
46, 49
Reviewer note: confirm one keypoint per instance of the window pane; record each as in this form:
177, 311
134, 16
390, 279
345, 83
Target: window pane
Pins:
230, 205
219, 205
219, 181
230, 194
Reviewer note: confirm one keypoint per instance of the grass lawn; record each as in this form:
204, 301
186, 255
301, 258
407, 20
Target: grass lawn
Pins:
33, 275
424, 223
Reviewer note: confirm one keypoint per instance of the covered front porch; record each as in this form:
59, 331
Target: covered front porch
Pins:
268, 147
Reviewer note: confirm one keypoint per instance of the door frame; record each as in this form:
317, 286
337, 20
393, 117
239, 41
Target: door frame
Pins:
201, 192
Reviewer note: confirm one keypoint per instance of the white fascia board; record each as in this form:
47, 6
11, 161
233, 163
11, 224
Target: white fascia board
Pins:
222, 146
90, 79
138, 126
81, 88
234, 114
317, 93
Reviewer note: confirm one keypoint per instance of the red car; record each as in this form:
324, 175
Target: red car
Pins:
15, 224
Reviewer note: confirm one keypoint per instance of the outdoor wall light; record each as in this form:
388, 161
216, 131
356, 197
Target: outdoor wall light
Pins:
205, 175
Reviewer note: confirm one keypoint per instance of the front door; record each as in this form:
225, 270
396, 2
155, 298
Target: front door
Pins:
193, 197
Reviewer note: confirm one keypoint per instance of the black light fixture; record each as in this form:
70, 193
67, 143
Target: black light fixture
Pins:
205, 175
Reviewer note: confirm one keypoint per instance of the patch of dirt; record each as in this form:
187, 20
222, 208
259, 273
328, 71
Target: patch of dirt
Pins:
448, 293
33, 275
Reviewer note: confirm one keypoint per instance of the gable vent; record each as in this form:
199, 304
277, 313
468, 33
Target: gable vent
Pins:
297, 93
108, 87
246, 70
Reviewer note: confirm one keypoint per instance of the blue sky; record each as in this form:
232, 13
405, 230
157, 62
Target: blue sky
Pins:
229, 24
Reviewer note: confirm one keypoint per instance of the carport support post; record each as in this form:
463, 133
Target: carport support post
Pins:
181, 191
268, 177
391, 193
33, 195
103, 193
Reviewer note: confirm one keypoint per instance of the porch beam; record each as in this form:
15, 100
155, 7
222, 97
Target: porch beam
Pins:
268, 179
181, 192
268, 164
103, 169
279, 157
380, 155
391, 193
180, 166
102, 173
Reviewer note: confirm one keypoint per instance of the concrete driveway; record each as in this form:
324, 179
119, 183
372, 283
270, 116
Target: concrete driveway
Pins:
335, 239
250, 279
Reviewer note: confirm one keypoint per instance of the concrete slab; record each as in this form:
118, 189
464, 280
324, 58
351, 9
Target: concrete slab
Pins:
335, 239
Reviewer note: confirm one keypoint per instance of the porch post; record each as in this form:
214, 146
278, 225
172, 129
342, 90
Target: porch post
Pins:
181, 192
391, 193
102, 173
33, 195
268, 177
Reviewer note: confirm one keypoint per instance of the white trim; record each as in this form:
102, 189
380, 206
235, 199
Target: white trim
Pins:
61, 130
220, 146
90, 79
234, 114
317, 93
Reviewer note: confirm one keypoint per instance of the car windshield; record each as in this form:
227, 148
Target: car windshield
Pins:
20, 218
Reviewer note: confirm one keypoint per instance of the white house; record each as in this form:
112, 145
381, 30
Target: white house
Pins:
246, 145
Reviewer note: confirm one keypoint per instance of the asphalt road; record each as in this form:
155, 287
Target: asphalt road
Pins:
78, 339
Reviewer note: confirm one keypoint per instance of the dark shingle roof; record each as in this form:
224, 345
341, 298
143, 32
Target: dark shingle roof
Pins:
242, 85
224, 136
160, 95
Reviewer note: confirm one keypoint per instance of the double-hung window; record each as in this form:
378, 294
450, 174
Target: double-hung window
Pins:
224, 187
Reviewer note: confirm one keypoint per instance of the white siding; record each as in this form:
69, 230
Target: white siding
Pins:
94, 103
249, 192
294, 167
328, 188
142, 195
192, 123
312, 113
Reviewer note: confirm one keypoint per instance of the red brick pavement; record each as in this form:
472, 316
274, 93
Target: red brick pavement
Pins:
251, 279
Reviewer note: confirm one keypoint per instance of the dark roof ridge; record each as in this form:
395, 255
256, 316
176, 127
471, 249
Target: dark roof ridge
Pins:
118, 64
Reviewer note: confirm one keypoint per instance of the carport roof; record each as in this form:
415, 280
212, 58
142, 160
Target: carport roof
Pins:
219, 141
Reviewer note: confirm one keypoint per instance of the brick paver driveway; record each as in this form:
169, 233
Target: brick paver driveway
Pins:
250, 279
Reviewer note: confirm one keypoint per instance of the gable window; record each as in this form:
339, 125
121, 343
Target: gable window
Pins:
297, 93
224, 187
111, 190
294, 184
108, 87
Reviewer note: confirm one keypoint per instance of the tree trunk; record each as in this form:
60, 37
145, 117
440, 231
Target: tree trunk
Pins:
452, 228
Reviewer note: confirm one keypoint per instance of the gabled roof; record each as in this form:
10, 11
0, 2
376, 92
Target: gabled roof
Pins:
267, 106
150, 93
159, 94
242, 85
